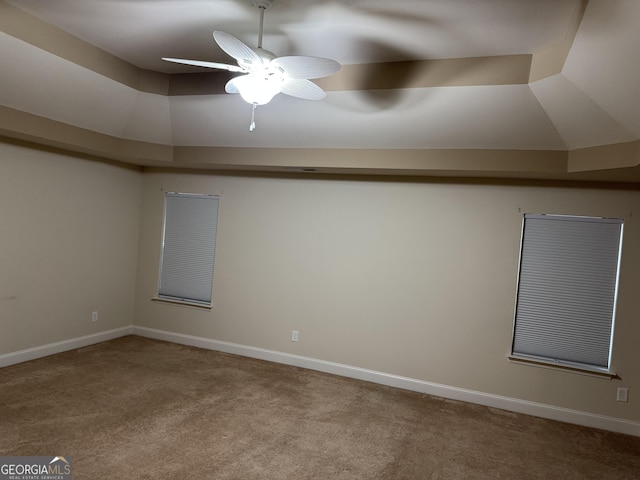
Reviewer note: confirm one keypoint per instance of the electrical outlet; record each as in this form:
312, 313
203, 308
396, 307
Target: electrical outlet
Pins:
623, 394
294, 335
94, 316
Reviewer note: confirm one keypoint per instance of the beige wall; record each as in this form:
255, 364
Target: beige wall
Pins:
68, 246
413, 279
408, 278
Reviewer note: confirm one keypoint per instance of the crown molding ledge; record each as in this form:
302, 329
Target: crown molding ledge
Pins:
607, 163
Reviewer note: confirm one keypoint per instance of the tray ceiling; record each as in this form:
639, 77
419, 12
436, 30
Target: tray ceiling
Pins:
505, 88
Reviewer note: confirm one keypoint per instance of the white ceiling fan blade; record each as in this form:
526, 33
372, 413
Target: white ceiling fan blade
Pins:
301, 88
236, 49
200, 63
303, 67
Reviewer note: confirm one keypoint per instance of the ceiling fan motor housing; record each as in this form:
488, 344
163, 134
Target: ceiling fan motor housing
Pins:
262, 3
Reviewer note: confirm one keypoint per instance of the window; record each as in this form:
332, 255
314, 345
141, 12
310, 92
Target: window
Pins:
188, 248
567, 288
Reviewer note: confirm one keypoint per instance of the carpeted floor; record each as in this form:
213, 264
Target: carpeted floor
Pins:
137, 408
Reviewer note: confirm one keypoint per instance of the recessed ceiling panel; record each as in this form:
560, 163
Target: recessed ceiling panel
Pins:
447, 117
355, 31
579, 120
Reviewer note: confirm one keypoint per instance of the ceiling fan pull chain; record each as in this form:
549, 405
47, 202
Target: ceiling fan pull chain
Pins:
252, 125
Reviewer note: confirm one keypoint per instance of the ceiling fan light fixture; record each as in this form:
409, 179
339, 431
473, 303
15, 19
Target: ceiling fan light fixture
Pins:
265, 74
258, 89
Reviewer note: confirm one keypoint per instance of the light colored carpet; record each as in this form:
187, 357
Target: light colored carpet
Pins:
136, 408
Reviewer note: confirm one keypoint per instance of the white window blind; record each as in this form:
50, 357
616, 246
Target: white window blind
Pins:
567, 290
188, 248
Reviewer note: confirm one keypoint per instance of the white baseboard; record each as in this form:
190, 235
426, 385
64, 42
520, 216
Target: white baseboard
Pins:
63, 346
495, 401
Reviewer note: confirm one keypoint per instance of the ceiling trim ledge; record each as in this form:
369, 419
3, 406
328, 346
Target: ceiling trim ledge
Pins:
612, 163
44, 131
446, 72
550, 61
604, 157
428, 161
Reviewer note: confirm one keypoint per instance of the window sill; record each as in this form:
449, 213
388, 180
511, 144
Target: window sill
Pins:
532, 362
184, 303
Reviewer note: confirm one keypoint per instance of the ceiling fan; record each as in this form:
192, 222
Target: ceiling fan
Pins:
264, 74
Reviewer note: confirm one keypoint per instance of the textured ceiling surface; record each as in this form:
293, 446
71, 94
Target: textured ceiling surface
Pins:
428, 77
